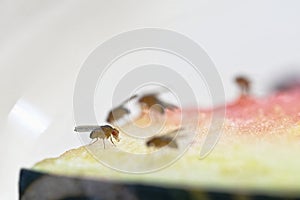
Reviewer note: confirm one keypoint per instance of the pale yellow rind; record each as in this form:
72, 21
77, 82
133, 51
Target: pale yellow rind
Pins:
267, 162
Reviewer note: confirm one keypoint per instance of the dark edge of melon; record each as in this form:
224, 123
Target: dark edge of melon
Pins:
38, 185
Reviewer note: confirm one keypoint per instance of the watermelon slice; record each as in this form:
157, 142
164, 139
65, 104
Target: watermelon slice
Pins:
257, 152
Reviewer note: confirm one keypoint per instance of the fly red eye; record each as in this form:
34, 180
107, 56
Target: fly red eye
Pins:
115, 133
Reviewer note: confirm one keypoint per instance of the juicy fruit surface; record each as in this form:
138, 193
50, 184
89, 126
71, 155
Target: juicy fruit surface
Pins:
266, 115
259, 149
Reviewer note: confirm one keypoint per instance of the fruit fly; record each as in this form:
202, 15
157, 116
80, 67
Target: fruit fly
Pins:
152, 101
244, 84
100, 132
165, 140
119, 112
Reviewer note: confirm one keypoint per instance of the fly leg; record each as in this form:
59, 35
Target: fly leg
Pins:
112, 141
103, 143
93, 142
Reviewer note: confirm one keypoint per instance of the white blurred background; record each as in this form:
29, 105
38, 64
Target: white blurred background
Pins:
44, 43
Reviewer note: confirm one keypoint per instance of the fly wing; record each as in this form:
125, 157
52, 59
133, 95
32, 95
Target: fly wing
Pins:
86, 128
127, 100
157, 91
168, 105
174, 133
173, 144
130, 98
173, 136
